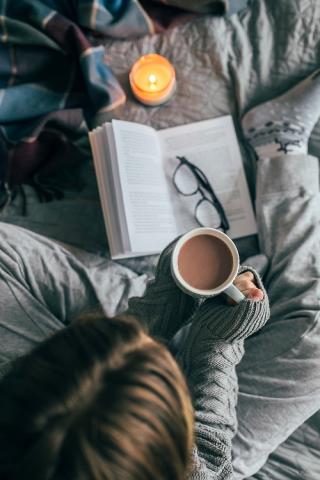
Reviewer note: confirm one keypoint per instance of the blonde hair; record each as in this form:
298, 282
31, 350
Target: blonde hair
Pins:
100, 400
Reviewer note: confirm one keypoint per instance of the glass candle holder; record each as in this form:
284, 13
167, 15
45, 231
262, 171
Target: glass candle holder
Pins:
152, 79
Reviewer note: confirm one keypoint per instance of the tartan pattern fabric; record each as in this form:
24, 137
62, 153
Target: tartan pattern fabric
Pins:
51, 73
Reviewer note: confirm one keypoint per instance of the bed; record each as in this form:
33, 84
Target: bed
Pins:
224, 65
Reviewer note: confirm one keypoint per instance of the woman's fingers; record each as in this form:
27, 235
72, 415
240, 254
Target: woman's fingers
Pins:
248, 275
246, 278
245, 282
253, 293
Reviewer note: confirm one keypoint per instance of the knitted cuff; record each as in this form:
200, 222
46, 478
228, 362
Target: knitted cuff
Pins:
164, 308
230, 323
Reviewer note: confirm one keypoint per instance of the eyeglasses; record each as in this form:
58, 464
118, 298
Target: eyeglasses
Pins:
190, 180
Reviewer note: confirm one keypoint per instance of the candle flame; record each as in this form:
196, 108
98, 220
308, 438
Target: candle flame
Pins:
152, 79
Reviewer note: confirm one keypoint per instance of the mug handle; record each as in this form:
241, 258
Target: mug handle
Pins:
233, 292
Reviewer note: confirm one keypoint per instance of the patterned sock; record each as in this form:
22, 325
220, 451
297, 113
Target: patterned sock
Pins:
284, 125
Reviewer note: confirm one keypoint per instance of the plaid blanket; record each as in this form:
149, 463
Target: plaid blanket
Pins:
51, 73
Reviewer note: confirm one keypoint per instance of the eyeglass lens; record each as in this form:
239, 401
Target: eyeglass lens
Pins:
185, 180
207, 215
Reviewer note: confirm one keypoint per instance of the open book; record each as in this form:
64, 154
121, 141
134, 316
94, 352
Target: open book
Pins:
134, 163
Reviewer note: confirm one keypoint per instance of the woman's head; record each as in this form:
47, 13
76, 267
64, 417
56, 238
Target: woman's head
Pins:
100, 400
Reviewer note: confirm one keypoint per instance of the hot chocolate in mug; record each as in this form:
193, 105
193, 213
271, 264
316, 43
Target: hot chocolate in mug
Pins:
205, 262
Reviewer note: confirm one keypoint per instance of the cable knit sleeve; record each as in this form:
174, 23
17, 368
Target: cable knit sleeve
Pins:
163, 308
208, 356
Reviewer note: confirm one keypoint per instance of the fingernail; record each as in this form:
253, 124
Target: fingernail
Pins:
258, 294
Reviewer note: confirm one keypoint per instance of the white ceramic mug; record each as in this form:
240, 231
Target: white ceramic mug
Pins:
227, 285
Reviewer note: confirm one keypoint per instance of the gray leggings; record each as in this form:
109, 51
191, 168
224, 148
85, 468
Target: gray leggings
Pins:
279, 377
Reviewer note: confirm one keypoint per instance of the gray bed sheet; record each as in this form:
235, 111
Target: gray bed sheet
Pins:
223, 66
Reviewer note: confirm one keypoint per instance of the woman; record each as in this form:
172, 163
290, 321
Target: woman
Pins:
103, 399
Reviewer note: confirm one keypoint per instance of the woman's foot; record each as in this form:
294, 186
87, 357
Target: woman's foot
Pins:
284, 125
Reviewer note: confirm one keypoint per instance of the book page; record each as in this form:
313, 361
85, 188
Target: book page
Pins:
148, 209
106, 184
213, 147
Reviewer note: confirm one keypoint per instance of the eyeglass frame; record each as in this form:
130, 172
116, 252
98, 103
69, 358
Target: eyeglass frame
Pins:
203, 184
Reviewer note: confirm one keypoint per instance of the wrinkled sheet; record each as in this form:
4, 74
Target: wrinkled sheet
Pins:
223, 66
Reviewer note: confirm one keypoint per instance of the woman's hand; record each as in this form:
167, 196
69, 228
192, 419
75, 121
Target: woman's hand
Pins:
245, 282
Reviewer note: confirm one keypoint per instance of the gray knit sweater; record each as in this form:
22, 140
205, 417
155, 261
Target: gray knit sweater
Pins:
208, 350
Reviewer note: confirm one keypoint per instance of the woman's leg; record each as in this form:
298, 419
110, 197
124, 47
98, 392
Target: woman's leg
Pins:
43, 287
279, 377
298, 457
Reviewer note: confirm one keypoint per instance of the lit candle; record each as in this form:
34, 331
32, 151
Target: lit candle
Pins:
153, 79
